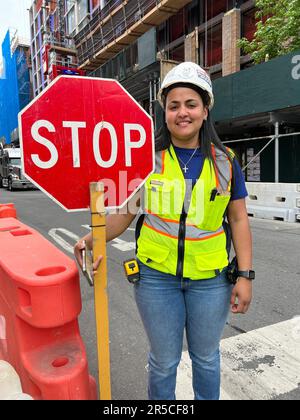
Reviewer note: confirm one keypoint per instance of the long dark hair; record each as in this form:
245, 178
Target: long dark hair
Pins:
207, 134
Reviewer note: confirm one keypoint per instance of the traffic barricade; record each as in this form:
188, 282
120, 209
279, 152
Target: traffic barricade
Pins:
7, 210
279, 201
40, 301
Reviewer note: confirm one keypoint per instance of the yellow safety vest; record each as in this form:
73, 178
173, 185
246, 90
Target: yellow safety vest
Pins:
190, 243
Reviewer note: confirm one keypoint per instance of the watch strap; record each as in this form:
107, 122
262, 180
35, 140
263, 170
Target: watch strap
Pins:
249, 274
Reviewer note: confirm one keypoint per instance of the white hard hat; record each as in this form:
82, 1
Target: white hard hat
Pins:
191, 73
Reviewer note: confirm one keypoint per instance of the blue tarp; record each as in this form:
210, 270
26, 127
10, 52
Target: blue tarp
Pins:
14, 88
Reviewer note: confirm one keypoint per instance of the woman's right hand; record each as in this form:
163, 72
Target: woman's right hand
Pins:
78, 248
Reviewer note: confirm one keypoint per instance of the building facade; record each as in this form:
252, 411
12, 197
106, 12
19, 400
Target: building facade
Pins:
15, 85
124, 39
138, 41
52, 46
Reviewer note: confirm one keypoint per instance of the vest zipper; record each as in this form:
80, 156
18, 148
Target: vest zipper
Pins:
181, 241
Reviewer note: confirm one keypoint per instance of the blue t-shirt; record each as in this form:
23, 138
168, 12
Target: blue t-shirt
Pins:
195, 166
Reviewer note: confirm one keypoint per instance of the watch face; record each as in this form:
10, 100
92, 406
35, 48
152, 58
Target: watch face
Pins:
251, 275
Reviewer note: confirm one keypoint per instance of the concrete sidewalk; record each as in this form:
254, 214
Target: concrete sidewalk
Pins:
10, 385
263, 364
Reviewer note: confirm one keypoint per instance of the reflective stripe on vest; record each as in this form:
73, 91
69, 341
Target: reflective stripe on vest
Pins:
166, 191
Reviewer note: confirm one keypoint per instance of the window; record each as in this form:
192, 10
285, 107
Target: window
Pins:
131, 57
161, 37
177, 54
134, 54
192, 16
213, 8
115, 68
71, 24
248, 24
69, 4
176, 26
128, 59
83, 24
211, 45
82, 8
121, 64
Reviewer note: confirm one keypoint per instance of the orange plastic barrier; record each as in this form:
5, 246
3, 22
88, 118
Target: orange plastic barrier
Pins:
7, 210
39, 303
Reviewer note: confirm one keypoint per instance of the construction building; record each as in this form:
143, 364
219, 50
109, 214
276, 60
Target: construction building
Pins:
52, 49
138, 41
15, 85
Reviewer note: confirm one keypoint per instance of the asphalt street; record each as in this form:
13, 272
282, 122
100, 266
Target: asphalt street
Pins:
276, 291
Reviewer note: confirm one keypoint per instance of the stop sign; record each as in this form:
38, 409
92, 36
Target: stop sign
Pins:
81, 130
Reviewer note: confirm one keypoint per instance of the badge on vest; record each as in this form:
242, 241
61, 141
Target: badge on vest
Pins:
155, 183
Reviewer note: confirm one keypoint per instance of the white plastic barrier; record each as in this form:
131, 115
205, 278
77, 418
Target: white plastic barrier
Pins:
10, 385
279, 201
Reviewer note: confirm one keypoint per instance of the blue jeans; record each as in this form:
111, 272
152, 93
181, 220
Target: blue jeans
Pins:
168, 305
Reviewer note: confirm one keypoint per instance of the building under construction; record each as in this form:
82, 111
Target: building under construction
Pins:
138, 41
52, 49
134, 38
257, 109
15, 85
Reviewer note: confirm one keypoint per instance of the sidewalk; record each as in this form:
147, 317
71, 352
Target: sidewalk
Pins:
10, 385
263, 364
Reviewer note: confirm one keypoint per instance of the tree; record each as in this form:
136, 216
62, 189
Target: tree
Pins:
277, 30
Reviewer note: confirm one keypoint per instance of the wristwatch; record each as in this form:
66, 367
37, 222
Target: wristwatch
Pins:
249, 274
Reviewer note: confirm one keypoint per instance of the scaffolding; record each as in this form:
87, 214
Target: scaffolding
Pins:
61, 20
59, 53
117, 25
275, 138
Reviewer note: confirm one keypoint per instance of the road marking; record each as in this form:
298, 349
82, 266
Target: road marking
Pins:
88, 227
54, 233
123, 245
259, 365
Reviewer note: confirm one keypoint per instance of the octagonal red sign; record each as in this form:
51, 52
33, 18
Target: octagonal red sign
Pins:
81, 130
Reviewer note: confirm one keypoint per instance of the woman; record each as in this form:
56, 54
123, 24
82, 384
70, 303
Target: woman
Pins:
182, 247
